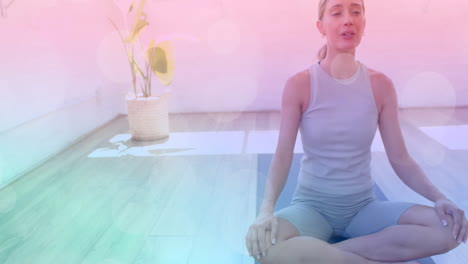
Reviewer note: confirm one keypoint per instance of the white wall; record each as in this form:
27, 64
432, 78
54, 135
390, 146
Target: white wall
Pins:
52, 91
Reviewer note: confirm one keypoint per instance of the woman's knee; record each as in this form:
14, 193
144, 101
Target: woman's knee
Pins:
446, 235
286, 231
427, 216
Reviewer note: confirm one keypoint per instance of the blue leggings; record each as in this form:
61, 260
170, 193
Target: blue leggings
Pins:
323, 215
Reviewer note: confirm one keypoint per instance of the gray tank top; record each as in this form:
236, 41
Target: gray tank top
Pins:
337, 130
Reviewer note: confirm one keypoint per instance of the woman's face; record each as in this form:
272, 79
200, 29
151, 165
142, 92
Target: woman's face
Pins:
343, 24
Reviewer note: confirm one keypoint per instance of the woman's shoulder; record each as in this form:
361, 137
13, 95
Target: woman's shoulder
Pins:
378, 78
298, 87
382, 87
299, 79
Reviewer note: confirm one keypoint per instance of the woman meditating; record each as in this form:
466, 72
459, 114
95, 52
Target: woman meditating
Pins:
337, 104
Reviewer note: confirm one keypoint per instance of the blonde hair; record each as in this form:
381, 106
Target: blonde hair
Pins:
322, 53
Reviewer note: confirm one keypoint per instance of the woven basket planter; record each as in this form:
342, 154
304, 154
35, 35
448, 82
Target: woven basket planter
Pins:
148, 118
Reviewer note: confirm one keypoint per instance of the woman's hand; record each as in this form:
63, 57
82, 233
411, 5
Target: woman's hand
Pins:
446, 207
255, 239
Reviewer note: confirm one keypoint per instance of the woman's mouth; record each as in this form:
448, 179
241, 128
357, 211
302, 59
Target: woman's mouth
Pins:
348, 35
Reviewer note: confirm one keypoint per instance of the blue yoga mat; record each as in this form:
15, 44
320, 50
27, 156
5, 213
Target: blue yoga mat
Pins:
284, 199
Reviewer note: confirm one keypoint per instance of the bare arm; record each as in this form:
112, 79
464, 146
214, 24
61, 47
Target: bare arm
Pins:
291, 109
402, 163
407, 169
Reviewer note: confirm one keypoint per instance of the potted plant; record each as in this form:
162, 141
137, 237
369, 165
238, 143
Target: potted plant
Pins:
148, 115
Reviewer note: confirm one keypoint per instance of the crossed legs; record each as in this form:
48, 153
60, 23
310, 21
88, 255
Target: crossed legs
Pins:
418, 234
294, 249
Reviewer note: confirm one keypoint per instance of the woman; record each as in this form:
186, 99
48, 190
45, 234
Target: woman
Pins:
338, 104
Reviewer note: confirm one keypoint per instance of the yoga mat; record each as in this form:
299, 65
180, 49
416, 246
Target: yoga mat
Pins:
263, 165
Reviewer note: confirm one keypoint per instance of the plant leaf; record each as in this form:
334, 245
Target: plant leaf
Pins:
136, 30
139, 23
162, 61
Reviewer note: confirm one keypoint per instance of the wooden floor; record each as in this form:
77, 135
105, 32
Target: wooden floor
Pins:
110, 200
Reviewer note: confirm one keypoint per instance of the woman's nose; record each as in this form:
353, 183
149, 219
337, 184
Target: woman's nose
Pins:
348, 20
